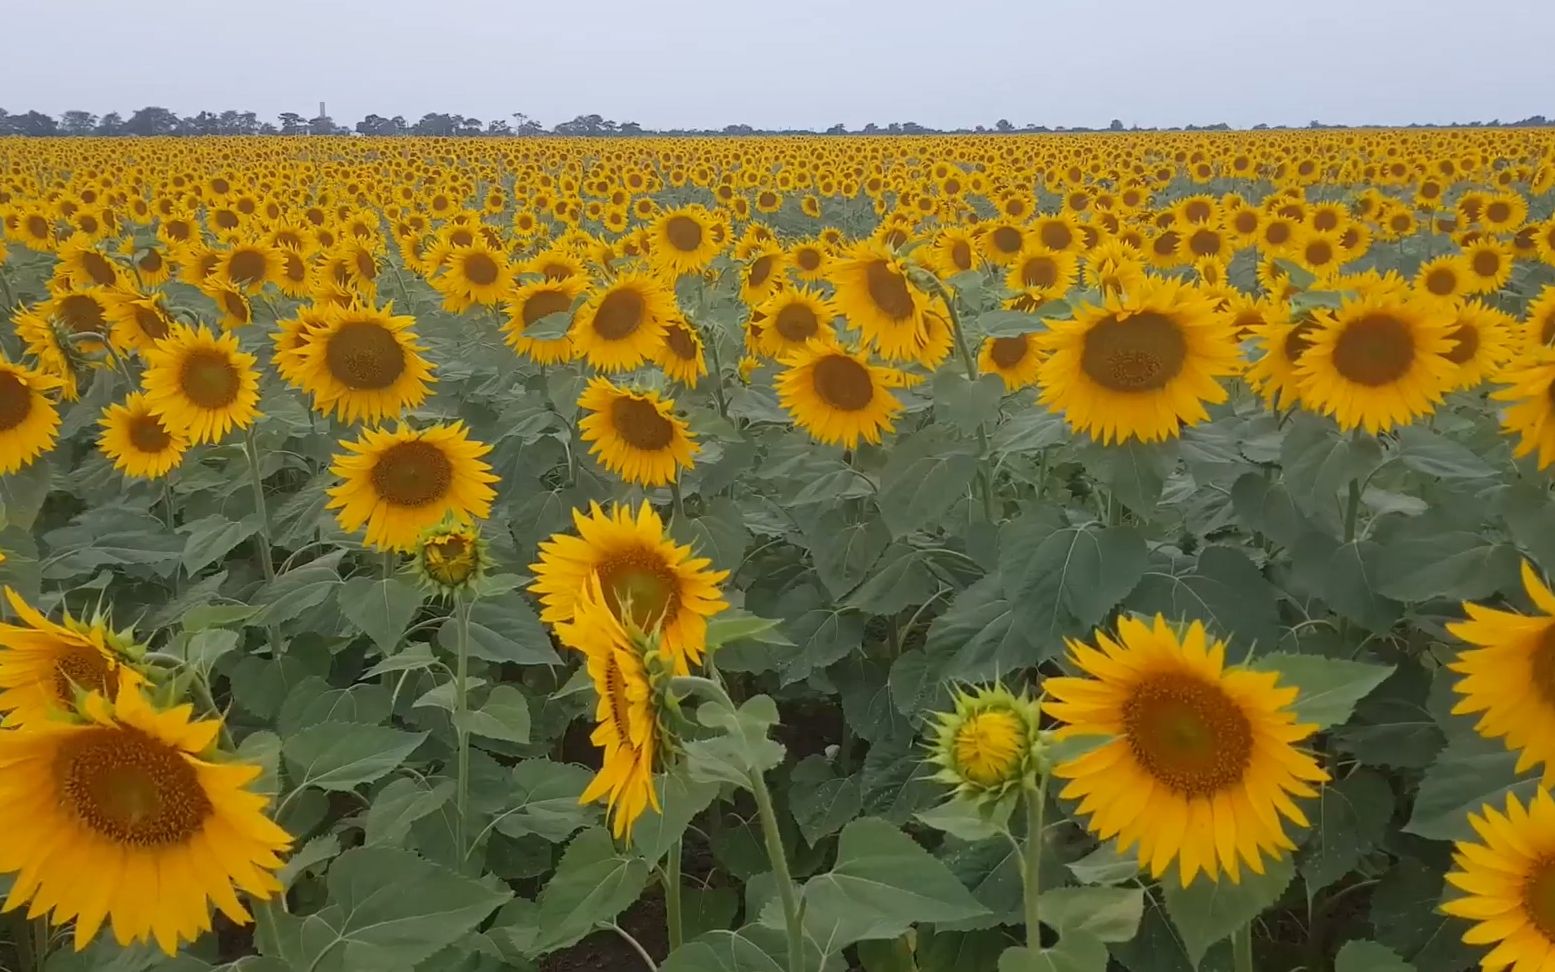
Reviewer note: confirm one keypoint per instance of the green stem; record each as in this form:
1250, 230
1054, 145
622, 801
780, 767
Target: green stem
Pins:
258, 484
1031, 862
1242, 948
792, 917
984, 472
711, 340
680, 501
672, 917
461, 724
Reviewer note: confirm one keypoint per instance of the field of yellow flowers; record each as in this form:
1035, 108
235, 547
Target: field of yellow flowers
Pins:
1020, 553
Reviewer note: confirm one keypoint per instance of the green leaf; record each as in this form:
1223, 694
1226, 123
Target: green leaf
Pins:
343, 755
959, 951
1330, 687
1347, 574
925, 473
551, 327
416, 655
504, 715
1106, 914
401, 803
1352, 816
1206, 911
964, 404
22, 493
543, 800
843, 552
1318, 462
1066, 579
966, 820
887, 955
978, 635
900, 578
1105, 865
734, 624
1460, 565
389, 909
1369, 957
381, 609
1426, 452
1299, 276
680, 800
1468, 774
754, 948
294, 592
823, 637
593, 884
503, 629
211, 538
882, 884
1074, 953
821, 801
1406, 918
1267, 507
1223, 588
1031, 430
741, 749
1133, 471
322, 848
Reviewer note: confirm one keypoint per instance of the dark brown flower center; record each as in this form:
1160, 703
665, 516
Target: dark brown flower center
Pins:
1007, 352
83, 667
843, 383
1375, 350
680, 342
797, 323
15, 401
1007, 239
1188, 734
888, 290
1141, 352
480, 269
247, 267
412, 474
760, 270
1487, 263
130, 788
543, 303
147, 435
209, 379
683, 233
620, 314
1467, 338
638, 422
365, 356
641, 580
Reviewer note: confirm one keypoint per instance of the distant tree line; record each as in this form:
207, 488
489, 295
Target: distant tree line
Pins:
160, 121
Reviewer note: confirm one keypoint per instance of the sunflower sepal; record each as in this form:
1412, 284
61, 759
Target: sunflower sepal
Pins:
988, 747
451, 558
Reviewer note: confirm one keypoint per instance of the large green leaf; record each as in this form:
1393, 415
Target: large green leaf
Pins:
212, 537
881, 885
343, 755
680, 800
1223, 588
1330, 687
1207, 911
1369, 957
542, 799
594, 883
742, 748
1060, 581
1352, 815
381, 609
503, 628
1468, 774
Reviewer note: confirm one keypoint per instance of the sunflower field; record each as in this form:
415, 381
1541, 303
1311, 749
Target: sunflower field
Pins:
1018, 553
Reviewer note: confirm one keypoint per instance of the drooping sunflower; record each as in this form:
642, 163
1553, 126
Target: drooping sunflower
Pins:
533, 301
836, 395
793, 318
476, 273
201, 385
680, 356
1538, 330
43, 665
138, 320
622, 323
1201, 764
1141, 366
1379, 361
1482, 339
83, 264
29, 422
683, 240
1509, 675
628, 726
874, 295
136, 442
1014, 359
667, 589
47, 341
1507, 883
398, 483
130, 796
1530, 413
635, 435
232, 304
364, 364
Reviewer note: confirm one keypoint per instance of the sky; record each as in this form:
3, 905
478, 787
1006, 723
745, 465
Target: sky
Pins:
795, 63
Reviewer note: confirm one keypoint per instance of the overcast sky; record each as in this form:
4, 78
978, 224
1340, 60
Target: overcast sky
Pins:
793, 63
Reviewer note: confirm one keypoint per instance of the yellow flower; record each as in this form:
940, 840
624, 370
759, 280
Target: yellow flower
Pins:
836, 395
399, 483
1201, 763
44, 665
477, 273
680, 356
1507, 883
682, 240
635, 435
130, 797
791, 319
668, 591
1531, 414
621, 325
451, 556
875, 297
136, 442
534, 301
363, 364
29, 422
1014, 359
201, 385
986, 744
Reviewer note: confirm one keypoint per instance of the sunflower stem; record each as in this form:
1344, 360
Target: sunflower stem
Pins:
984, 471
1242, 948
1035, 799
461, 724
679, 500
673, 924
792, 917
5, 285
257, 482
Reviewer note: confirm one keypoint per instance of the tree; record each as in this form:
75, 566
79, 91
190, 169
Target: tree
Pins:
498, 126
77, 123
436, 123
1117, 125
586, 125
292, 123
378, 125
151, 121
631, 128
837, 129
1003, 125
323, 125
110, 124
871, 128
34, 123
467, 126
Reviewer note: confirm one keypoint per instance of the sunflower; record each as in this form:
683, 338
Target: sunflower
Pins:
29, 422
476, 273
233, 304
666, 589
450, 557
530, 303
1379, 361
139, 321
1490, 264
1538, 327
400, 483
987, 744
1445, 278
682, 240
1201, 763
363, 364
130, 796
1140, 366
43, 664
83, 313
1531, 410
680, 356
1509, 675
873, 294
807, 260
201, 385
1042, 274
1508, 883
628, 726
1014, 359
793, 318
83, 264
621, 324
763, 273
953, 251
1002, 241
1482, 337
249, 266
836, 395
635, 435
136, 442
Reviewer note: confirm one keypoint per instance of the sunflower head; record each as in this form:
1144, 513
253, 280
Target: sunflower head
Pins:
451, 556
988, 744
47, 666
